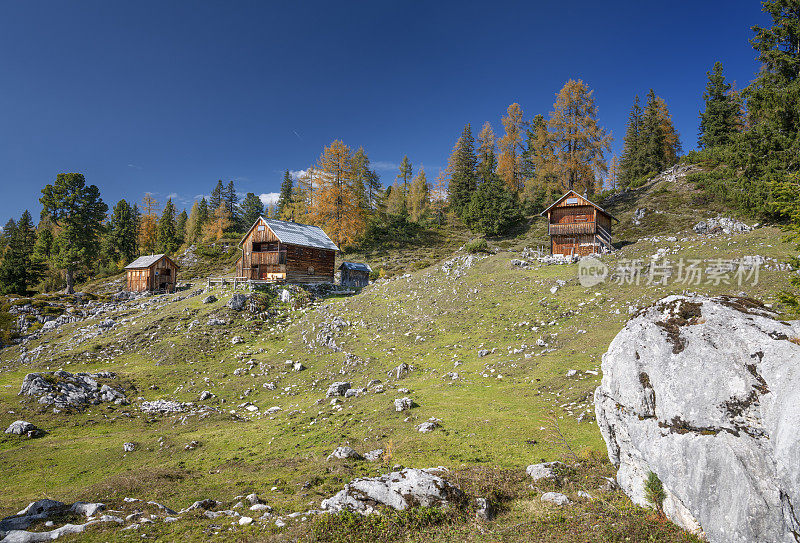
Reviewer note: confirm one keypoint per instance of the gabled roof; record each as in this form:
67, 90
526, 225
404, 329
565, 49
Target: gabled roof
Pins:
146, 262
570, 192
357, 266
297, 234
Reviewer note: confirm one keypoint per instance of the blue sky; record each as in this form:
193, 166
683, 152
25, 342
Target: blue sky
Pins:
169, 96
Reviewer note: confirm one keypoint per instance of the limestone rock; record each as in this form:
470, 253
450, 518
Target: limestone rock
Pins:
337, 389
399, 490
556, 498
21, 427
344, 453
545, 470
705, 393
237, 302
209, 299
403, 404
67, 390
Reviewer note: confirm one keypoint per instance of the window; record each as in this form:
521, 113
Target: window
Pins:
572, 201
261, 228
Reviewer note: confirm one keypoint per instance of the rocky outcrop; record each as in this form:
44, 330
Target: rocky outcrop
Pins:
23, 428
721, 225
67, 390
13, 528
705, 393
399, 490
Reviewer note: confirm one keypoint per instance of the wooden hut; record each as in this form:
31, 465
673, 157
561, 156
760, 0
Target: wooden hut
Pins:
578, 226
153, 272
354, 274
274, 250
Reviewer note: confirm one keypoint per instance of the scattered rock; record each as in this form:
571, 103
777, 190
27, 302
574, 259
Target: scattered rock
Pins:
21, 428
337, 389
398, 490
484, 509
209, 299
205, 395
545, 470
373, 456
237, 302
556, 498
66, 390
429, 426
403, 404
721, 225
704, 393
245, 521
128, 447
344, 453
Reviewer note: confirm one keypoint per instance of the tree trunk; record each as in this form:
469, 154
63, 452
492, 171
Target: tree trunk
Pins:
70, 282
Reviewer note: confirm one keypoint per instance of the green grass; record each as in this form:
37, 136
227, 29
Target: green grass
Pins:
437, 323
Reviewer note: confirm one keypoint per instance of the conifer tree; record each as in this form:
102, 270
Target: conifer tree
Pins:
232, 201
338, 209
396, 200
19, 271
7, 234
180, 227
405, 173
122, 232
509, 163
217, 196
148, 225
43, 248
419, 196
720, 121
252, 209
167, 229
285, 198
540, 168
218, 223
493, 208
461, 171
77, 210
613, 173
487, 154
659, 141
368, 178
578, 140
631, 163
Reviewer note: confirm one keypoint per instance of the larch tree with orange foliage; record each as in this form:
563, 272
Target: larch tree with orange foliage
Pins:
338, 208
509, 163
148, 224
579, 141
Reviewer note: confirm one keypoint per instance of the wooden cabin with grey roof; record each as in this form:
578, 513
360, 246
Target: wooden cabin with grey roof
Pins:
285, 251
152, 273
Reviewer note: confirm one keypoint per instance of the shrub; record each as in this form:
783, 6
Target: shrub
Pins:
654, 492
477, 245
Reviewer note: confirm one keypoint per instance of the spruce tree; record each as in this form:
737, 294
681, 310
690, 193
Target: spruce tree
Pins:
167, 229
487, 154
202, 219
631, 163
183, 218
368, 178
217, 196
284, 200
7, 234
18, 270
493, 208
232, 202
461, 167
122, 232
720, 120
252, 209
653, 137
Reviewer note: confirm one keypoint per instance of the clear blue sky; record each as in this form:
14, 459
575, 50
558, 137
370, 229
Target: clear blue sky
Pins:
169, 96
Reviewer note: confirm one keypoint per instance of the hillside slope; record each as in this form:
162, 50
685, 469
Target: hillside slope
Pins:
501, 350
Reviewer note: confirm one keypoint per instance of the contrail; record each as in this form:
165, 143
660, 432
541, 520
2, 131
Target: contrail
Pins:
296, 134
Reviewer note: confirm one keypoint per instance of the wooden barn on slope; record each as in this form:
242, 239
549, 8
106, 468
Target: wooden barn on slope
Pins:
354, 274
274, 250
578, 226
153, 272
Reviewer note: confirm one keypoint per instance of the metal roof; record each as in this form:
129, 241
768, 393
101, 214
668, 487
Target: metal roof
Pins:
358, 266
144, 261
300, 234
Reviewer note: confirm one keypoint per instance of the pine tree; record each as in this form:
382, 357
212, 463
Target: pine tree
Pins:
659, 141
253, 208
122, 232
77, 210
338, 209
217, 196
613, 173
7, 234
285, 198
419, 196
461, 171
487, 154
509, 164
578, 139
148, 224
19, 271
43, 248
180, 227
168, 230
631, 164
720, 121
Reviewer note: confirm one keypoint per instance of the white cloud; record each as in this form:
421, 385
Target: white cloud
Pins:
269, 198
384, 165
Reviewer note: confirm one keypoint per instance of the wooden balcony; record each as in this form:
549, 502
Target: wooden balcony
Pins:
572, 228
268, 258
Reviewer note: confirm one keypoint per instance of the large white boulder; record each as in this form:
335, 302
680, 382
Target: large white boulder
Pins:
705, 393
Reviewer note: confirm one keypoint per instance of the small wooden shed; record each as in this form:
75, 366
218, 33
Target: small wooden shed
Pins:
578, 226
274, 250
152, 272
354, 274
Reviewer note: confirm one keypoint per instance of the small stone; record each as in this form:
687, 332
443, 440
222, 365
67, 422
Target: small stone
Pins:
245, 521
403, 404
545, 470
344, 453
129, 447
209, 299
555, 497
